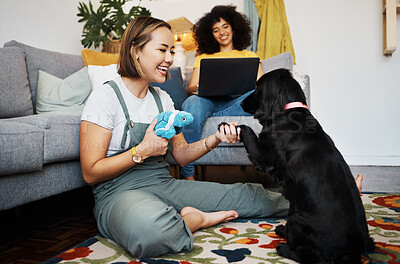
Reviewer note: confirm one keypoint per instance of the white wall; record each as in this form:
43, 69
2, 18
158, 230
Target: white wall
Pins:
354, 88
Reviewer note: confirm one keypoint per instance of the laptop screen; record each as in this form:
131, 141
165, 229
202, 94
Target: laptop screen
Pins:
227, 76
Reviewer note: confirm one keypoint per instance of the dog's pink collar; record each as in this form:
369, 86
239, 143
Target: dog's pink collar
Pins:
295, 105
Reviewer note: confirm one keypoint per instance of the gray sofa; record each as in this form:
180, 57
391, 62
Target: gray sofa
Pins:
39, 154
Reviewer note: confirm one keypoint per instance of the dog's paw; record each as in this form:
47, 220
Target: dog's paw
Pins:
280, 230
284, 250
245, 128
222, 124
225, 124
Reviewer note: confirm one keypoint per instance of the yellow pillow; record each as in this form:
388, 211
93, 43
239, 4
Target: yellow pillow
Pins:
91, 57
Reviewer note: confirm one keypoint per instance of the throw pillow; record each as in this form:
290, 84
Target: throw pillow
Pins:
58, 64
284, 60
15, 95
91, 57
174, 87
100, 74
63, 96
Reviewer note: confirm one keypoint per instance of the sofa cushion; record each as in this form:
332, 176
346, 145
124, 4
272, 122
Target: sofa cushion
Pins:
61, 135
62, 96
21, 147
58, 64
100, 74
174, 87
284, 60
91, 57
15, 96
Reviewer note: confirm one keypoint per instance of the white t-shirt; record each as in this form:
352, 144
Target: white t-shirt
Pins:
104, 109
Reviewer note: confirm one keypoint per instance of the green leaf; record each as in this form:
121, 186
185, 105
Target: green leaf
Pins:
107, 22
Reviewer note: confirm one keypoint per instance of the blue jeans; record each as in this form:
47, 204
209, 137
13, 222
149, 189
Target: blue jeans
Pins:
201, 108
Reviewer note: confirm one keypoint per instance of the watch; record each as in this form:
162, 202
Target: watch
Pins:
136, 157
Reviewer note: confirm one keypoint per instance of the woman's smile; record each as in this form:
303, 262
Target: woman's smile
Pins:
162, 70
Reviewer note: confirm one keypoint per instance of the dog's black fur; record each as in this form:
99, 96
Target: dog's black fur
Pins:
326, 222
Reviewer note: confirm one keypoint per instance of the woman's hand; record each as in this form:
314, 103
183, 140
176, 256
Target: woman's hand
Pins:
152, 145
185, 153
228, 133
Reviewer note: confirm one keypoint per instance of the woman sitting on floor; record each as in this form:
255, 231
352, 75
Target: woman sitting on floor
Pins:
137, 203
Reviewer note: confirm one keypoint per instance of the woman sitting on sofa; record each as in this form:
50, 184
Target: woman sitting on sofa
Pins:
221, 33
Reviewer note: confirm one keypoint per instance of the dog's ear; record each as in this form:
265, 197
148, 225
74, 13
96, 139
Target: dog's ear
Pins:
272, 93
294, 91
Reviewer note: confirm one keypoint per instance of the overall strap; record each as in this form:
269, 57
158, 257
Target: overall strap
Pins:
156, 98
124, 108
129, 122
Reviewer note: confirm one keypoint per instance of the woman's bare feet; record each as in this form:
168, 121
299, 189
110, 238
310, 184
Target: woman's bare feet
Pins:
359, 182
197, 219
191, 178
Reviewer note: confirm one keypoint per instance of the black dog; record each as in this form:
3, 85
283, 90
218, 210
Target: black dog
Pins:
326, 222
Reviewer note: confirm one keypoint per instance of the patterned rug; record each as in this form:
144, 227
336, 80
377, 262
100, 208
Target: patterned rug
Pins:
249, 241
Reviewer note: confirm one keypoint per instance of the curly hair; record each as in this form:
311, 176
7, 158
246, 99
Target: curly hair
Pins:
203, 29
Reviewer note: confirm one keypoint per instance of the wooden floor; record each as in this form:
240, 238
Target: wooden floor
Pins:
35, 232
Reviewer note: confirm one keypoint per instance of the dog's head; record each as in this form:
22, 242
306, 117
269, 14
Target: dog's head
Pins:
273, 91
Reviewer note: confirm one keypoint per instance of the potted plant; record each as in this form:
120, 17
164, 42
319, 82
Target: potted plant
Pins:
107, 24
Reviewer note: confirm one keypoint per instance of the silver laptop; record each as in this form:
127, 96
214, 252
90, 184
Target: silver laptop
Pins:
227, 76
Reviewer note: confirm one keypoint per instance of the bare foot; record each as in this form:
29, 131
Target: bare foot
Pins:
359, 182
197, 219
190, 178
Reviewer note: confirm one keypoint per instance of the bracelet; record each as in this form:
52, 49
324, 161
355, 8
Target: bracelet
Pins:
207, 147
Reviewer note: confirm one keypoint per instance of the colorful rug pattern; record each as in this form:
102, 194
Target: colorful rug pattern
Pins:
249, 241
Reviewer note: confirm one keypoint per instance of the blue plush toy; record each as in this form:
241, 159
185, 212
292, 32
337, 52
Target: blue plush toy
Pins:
171, 122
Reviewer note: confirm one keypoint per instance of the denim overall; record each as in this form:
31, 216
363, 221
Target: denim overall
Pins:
140, 208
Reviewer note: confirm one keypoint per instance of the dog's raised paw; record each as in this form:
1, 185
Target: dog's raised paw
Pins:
225, 124
222, 124
244, 131
244, 127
